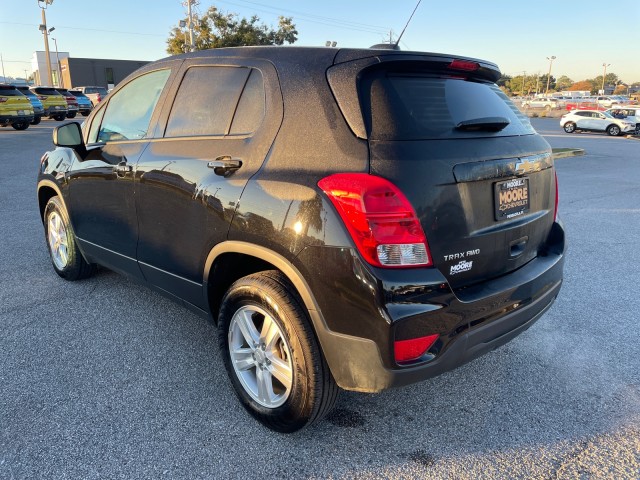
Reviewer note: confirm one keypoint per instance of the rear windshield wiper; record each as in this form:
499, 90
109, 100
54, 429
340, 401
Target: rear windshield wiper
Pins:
490, 124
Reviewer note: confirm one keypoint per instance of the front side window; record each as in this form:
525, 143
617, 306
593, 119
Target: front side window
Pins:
129, 111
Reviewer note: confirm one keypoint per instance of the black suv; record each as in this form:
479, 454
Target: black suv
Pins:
349, 218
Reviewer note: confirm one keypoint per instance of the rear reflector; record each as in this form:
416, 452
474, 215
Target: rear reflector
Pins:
379, 218
407, 350
464, 65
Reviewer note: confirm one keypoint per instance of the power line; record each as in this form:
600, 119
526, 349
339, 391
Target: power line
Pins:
333, 22
90, 29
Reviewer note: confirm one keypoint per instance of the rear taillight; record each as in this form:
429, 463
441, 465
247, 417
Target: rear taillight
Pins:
42, 97
413, 349
99, 97
555, 210
380, 219
3, 99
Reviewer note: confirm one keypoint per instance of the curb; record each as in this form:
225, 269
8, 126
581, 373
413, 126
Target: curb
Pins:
567, 152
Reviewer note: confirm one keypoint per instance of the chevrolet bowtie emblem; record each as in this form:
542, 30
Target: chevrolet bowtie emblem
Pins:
526, 166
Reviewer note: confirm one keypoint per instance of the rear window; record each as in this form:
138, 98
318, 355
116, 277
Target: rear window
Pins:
406, 106
76, 93
100, 90
27, 93
9, 92
46, 91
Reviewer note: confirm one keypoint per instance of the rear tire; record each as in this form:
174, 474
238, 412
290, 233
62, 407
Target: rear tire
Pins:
36, 120
614, 130
271, 354
20, 125
65, 255
60, 117
569, 127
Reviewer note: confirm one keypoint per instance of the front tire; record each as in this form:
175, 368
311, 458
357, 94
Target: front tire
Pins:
569, 127
65, 255
271, 354
36, 120
20, 125
614, 130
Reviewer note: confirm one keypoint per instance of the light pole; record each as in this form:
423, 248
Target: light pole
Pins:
551, 59
43, 28
60, 81
604, 74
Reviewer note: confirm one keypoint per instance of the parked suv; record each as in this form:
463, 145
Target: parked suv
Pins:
349, 218
95, 94
630, 113
15, 108
72, 102
84, 103
38, 109
54, 103
546, 103
596, 121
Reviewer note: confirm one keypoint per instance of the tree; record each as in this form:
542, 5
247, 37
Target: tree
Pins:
620, 89
216, 29
583, 85
515, 85
564, 83
610, 79
503, 80
543, 83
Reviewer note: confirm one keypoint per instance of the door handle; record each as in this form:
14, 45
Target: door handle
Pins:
225, 165
122, 169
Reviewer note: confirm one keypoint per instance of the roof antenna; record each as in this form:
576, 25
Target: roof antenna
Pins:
395, 47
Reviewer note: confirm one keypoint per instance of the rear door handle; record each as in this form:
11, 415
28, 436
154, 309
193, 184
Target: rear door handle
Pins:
225, 165
122, 169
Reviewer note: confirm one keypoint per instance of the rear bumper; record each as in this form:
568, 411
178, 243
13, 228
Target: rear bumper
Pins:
470, 322
11, 119
50, 111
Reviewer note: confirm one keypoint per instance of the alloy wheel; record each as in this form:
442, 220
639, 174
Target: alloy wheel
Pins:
260, 356
58, 242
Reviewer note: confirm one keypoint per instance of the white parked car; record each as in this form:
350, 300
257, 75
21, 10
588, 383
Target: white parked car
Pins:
546, 103
593, 120
631, 113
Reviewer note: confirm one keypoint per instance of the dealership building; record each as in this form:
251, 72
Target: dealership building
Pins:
67, 71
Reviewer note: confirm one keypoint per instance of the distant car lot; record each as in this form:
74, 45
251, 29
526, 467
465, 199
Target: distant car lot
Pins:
109, 380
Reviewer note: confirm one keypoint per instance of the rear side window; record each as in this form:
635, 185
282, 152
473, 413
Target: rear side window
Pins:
217, 101
129, 111
405, 106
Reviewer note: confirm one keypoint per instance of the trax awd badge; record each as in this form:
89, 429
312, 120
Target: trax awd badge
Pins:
462, 265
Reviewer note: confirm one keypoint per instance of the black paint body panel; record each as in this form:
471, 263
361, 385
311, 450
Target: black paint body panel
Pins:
172, 222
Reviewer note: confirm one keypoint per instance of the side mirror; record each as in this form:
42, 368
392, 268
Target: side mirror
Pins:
70, 135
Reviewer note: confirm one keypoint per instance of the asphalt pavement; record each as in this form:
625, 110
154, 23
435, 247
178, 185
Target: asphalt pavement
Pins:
105, 379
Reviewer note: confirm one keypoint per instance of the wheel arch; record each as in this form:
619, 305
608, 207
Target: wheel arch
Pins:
228, 261
46, 190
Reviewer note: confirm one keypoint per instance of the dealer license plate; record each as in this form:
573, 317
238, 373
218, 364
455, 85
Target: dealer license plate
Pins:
21, 112
511, 198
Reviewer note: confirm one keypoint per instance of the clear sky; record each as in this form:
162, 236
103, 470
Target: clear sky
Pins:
518, 36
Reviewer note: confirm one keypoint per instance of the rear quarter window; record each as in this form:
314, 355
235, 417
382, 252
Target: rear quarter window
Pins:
410, 106
217, 100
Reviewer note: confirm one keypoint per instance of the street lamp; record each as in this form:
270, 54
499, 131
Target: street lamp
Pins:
604, 74
60, 82
43, 28
551, 59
